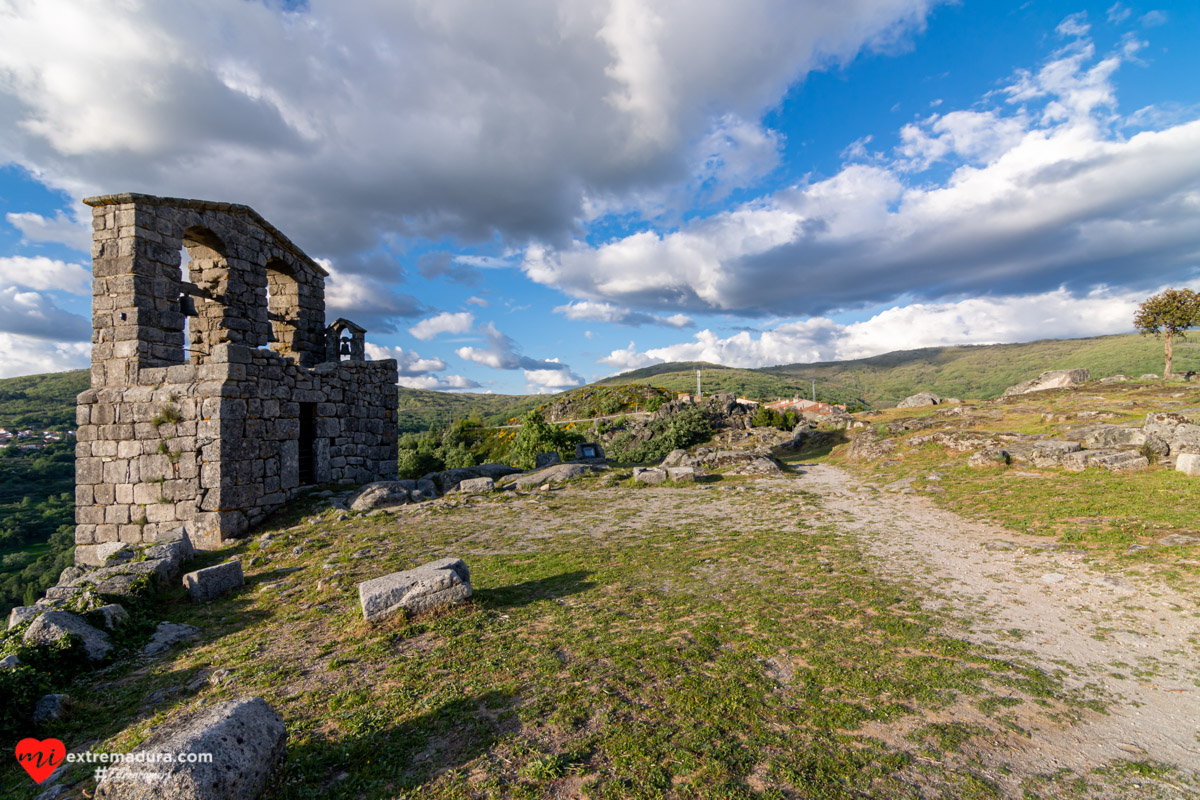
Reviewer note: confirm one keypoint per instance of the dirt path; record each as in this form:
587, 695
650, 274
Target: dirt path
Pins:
1126, 639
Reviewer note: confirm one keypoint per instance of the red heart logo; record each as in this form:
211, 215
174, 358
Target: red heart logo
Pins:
40, 758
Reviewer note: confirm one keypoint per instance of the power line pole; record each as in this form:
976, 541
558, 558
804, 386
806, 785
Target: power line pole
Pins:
698, 393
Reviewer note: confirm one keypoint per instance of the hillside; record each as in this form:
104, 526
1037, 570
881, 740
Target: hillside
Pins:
41, 402
985, 371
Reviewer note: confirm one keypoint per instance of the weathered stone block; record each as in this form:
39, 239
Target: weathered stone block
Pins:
650, 475
431, 585
246, 738
212, 582
1188, 464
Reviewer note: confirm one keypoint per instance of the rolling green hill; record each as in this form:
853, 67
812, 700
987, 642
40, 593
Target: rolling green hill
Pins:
41, 402
985, 371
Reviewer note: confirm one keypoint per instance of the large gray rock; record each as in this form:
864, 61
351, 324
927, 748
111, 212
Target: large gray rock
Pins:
246, 738
476, 486
650, 475
212, 582
869, 446
1054, 379
56, 625
432, 585
382, 494
919, 399
495, 471
1188, 464
11, 661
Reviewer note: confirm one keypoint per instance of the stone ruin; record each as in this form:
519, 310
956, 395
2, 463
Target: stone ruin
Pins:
217, 391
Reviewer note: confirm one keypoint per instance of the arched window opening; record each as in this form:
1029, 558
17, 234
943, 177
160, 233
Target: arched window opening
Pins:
204, 277
283, 309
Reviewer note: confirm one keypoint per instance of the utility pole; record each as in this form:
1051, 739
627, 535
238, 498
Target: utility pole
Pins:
698, 395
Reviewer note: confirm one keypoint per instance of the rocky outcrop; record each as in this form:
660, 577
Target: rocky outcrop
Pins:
1054, 379
761, 467
476, 486
869, 446
166, 635
989, 457
556, 474
246, 738
1111, 460
383, 494
432, 585
918, 400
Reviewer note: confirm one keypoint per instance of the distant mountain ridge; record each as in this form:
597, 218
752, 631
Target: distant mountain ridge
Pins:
965, 371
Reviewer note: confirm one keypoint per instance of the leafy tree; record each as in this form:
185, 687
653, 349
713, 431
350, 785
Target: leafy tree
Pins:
538, 436
1168, 314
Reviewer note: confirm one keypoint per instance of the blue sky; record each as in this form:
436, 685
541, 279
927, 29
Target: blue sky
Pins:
521, 197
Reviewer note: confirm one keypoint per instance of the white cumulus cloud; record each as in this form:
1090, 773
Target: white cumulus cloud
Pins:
445, 322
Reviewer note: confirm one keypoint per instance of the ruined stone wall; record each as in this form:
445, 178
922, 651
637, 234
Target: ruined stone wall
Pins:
214, 437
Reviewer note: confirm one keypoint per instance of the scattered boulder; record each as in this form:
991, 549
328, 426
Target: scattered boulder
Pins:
11, 661
650, 475
477, 486
1054, 379
212, 582
246, 738
1188, 464
55, 625
51, 708
1118, 378
989, 457
495, 471
168, 634
919, 399
543, 460
432, 585
382, 494
1148, 376
122, 578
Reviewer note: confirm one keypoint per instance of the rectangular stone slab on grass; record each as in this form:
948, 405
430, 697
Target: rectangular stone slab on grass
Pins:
212, 582
432, 585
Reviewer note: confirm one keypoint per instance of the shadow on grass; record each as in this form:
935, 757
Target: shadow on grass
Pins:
368, 756
522, 594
